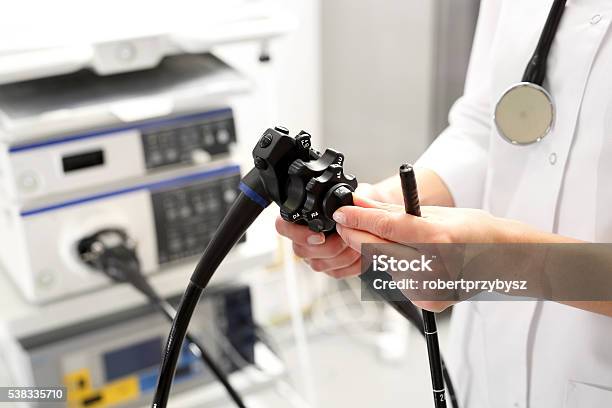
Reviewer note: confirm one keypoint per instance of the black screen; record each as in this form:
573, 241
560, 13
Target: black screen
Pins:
128, 360
83, 160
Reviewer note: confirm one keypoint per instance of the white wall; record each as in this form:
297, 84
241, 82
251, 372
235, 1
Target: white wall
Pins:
298, 70
377, 73
292, 80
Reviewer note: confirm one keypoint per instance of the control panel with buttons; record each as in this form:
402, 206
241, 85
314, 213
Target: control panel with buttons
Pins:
69, 163
170, 216
189, 142
186, 217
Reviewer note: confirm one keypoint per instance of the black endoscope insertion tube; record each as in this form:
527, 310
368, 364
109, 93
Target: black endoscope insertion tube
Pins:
412, 207
247, 207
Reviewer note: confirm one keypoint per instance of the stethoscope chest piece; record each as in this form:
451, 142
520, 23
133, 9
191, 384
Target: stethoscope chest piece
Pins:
525, 114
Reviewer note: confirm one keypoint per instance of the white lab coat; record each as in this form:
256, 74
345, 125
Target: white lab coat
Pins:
534, 354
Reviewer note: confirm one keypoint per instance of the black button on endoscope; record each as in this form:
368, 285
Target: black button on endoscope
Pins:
303, 140
260, 163
316, 225
282, 129
340, 197
265, 141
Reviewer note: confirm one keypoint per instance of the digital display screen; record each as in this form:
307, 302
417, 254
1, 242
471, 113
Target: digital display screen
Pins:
83, 160
126, 361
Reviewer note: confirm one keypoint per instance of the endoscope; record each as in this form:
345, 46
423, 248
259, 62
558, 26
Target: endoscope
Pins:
309, 187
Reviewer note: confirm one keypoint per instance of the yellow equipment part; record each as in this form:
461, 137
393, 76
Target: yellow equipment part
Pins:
82, 394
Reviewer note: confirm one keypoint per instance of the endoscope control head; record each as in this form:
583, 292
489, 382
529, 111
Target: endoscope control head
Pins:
307, 186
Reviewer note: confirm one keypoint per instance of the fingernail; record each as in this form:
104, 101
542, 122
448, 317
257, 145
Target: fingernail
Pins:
339, 217
316, 239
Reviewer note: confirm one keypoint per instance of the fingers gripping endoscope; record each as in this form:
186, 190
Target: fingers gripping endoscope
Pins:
308, 187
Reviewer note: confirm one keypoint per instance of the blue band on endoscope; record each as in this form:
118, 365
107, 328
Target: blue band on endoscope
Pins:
254, 195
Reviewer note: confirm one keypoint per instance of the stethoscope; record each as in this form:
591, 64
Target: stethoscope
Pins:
525, 113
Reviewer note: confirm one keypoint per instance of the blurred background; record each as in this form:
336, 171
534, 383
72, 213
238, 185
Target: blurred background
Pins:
128, 124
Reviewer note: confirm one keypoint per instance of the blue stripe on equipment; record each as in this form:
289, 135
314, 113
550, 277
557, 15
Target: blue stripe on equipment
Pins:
227, 170
110, 131
254, 195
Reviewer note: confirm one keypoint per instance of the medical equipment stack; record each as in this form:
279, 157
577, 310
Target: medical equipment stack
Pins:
140, 133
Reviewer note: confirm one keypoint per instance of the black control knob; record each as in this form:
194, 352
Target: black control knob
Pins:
324, 195
338, 197
300, 174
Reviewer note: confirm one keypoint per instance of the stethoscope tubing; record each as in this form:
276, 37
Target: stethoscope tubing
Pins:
533, 77
535, 72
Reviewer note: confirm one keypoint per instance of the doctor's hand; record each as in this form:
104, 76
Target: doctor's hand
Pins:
329, 254
372, 222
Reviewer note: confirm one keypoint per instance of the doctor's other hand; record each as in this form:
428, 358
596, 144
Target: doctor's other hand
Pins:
331, 254
370, 221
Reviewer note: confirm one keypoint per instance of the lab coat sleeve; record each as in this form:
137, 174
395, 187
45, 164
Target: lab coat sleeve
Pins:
460, 154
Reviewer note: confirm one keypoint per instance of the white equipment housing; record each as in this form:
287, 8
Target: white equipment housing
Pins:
137, 127
149, 149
